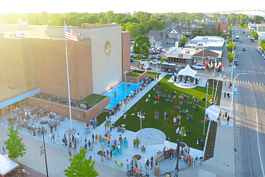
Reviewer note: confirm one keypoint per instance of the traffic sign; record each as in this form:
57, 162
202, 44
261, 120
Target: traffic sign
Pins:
41, 149
234, 67
235, 87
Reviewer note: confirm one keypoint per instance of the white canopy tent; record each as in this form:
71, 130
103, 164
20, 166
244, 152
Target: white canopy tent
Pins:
187, 72
6, 165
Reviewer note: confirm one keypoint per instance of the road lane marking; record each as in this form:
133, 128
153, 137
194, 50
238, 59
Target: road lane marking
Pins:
257, 129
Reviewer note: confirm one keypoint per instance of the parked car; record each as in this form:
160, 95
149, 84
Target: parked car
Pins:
154, 62
144, 56
131, 51
183, 65
241, 41
131, 60
141, 61
158, 57
135, 56
152, 57
199, 66
131, 54
244, 49
252, 40
132, 42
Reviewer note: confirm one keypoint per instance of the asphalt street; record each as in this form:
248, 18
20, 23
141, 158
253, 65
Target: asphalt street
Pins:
249, 107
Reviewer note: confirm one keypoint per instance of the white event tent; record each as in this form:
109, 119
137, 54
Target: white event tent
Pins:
6, 165
187, 72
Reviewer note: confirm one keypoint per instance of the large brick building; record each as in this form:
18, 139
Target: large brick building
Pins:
40, 62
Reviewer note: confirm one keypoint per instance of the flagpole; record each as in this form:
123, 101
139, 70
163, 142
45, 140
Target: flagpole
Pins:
69, 99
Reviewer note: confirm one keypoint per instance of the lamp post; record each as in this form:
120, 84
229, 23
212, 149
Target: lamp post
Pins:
125, 72
214, 74
233, 92
205, 108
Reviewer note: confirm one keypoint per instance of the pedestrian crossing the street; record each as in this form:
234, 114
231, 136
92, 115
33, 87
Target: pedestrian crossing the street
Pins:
249, 82
248, 71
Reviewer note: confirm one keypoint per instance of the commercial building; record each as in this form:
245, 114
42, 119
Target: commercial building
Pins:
38, 61
207, 42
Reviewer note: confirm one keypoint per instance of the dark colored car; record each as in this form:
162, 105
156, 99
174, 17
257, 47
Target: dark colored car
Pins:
131, 60
244, 49
152, 57
144, 57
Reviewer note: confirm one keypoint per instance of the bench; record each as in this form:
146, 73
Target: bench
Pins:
158, 157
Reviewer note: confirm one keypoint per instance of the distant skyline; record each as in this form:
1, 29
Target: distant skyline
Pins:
118, 6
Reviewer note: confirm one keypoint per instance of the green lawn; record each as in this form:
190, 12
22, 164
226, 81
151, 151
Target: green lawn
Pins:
152, 74
196, 127
133, 74
94, 99
102, 117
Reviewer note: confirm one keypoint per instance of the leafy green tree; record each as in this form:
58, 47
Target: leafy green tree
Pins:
215, 16
134, 29
156, 25
187, 21
141, 44
255, 35
143, 29
92, 19
134, 20
231, 46
184, 39
80, 166
110, 16
103, 21
14, 144
172, 19
183, 131
262, 44
258, 18
202, 23
119, 18
125, 20
230, 57
106, 125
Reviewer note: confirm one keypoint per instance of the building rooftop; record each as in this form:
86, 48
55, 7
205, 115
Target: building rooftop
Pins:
206, 41
186, 51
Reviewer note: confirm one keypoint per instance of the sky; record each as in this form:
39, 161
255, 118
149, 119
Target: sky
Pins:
119, 6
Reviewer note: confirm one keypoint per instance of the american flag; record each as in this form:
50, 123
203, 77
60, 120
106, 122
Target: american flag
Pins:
70, 35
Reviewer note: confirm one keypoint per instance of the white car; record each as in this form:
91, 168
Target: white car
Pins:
199, 66
154, 62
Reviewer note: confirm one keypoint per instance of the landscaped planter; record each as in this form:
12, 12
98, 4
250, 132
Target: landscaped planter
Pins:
209, 150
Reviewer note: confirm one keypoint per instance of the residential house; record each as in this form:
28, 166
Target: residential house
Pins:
187, 31
174, 36
157, 37
222, 19
252, 22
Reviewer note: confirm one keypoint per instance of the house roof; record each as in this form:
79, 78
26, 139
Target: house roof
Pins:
206, 53
156, 34
211, 25
252, 21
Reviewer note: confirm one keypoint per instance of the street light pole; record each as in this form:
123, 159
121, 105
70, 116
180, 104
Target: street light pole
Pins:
233, 92
125, 72
205, 108
214, 74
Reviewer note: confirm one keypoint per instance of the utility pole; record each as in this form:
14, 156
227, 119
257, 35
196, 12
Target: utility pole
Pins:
45, 154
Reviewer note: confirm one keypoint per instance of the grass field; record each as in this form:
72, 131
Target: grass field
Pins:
196, 127
133, 74
94, 99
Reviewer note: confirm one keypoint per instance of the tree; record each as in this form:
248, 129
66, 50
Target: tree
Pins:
14, 144
141, 44
92, 19
103, 21
134, 29
202, 23
258, 18
134, 20
156, 25
183, 131
106, 125
110, 16
216, 15
187, 21
231, 46
119, 18
184, 39
80, 166
262, 44
230, 57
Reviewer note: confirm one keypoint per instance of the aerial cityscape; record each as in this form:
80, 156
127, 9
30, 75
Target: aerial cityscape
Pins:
102, 90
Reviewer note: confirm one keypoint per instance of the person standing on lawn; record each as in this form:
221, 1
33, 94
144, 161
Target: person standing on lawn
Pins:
135, 107
157, 115
165, 114
158, 98
154, 99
